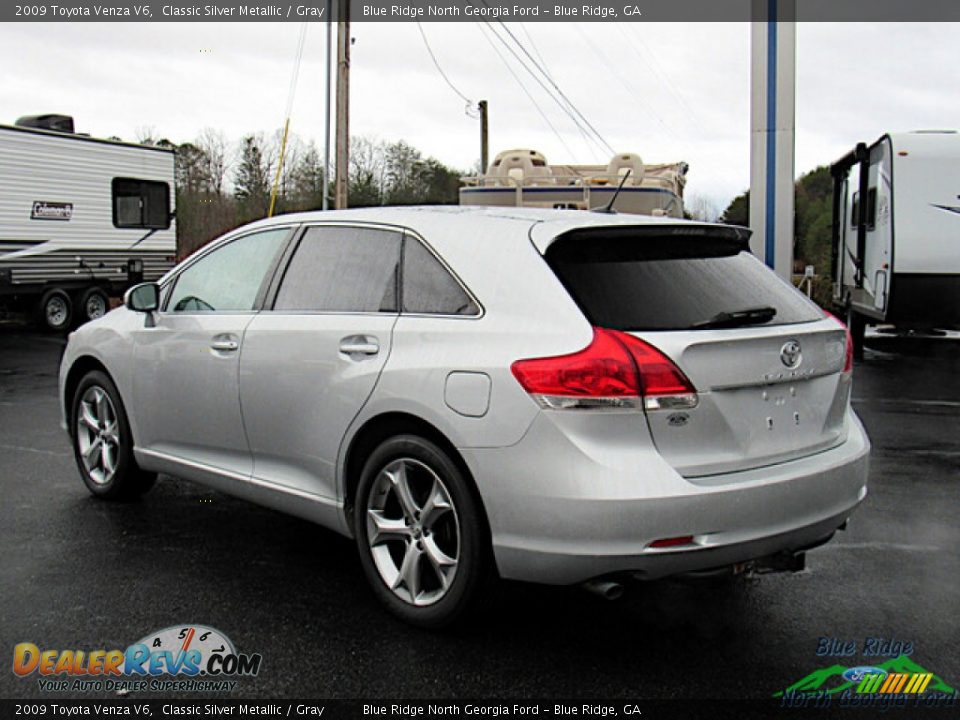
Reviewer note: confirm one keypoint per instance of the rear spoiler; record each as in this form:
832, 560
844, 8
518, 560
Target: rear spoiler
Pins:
736, 236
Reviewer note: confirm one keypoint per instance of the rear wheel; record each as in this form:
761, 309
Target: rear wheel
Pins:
55, 311
420, 533
93, 304
102, 441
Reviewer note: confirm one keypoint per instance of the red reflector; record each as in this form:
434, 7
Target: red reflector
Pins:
672, 542
615, 364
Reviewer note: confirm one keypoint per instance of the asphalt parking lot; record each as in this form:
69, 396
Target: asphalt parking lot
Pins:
79, 573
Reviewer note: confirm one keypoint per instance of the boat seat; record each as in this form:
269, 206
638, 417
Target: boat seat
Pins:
621, 164
519, 170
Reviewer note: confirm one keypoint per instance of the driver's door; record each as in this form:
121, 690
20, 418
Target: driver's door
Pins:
185, 383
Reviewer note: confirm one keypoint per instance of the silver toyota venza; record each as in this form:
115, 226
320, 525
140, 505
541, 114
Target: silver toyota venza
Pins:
552, 396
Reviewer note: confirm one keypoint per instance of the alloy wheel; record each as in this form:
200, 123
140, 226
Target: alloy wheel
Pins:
413, 531
98, 435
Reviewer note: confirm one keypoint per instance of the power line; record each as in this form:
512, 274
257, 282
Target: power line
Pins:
523, 87
436, 63
555, 86
655, 69
654, 65
523, 26
611, 66
546, 89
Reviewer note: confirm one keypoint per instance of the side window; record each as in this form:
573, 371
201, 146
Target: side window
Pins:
428, 288
342, 269
229, 278
143, 204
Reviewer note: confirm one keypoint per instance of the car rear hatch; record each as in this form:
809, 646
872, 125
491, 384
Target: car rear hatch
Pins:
769, 368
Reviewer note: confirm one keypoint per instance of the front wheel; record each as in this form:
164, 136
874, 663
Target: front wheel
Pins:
420, 532
102, 441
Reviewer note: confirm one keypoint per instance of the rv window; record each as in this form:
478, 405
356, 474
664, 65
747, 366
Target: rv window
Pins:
143, 204
855, 210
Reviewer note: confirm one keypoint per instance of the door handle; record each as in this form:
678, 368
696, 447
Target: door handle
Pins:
225, 345
359, 345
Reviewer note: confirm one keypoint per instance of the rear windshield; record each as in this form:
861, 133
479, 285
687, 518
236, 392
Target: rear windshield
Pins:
631, 279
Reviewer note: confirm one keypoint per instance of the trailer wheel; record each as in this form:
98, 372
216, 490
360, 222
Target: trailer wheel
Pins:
93, 304
55, 310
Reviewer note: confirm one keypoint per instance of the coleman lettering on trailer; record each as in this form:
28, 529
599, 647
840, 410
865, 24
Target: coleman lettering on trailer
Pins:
42, 210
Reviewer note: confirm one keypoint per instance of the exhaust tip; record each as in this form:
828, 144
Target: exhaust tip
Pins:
606, 589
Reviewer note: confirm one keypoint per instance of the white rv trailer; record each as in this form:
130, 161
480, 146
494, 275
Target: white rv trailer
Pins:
524, 178
80, 219
896, 231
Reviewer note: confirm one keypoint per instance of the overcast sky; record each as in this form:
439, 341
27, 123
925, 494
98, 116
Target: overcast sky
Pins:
667, 91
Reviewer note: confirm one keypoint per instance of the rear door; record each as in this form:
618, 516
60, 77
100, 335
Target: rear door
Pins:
766, 363
878, 251
312, 357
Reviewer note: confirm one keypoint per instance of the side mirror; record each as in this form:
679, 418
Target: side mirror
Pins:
144, 297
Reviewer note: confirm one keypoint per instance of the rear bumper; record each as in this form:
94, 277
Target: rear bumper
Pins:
564, 508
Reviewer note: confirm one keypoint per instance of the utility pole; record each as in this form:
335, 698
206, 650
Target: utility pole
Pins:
343, 104
326, 120
484, 137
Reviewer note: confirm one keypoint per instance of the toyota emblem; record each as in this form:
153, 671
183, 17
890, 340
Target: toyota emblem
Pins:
790, 354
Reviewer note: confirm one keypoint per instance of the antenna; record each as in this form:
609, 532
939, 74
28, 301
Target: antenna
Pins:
609, 207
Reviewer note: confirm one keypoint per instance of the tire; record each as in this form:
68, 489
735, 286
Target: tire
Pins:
93, 303
55, 310
409, 564
102, 441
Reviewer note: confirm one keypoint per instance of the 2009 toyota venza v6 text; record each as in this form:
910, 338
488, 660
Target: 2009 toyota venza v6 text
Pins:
551, 396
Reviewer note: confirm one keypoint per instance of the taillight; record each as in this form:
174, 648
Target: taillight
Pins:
848, 360
614, 371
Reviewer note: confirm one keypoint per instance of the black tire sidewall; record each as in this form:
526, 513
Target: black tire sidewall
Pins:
473, 566
128, 480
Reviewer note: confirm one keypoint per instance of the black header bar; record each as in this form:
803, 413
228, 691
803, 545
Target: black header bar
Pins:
482, 10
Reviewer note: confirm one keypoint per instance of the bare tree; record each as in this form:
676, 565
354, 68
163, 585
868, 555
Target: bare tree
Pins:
702, 208
146, 134
367, 172
217, 158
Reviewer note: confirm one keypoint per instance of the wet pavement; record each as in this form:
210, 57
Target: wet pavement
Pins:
80, 573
